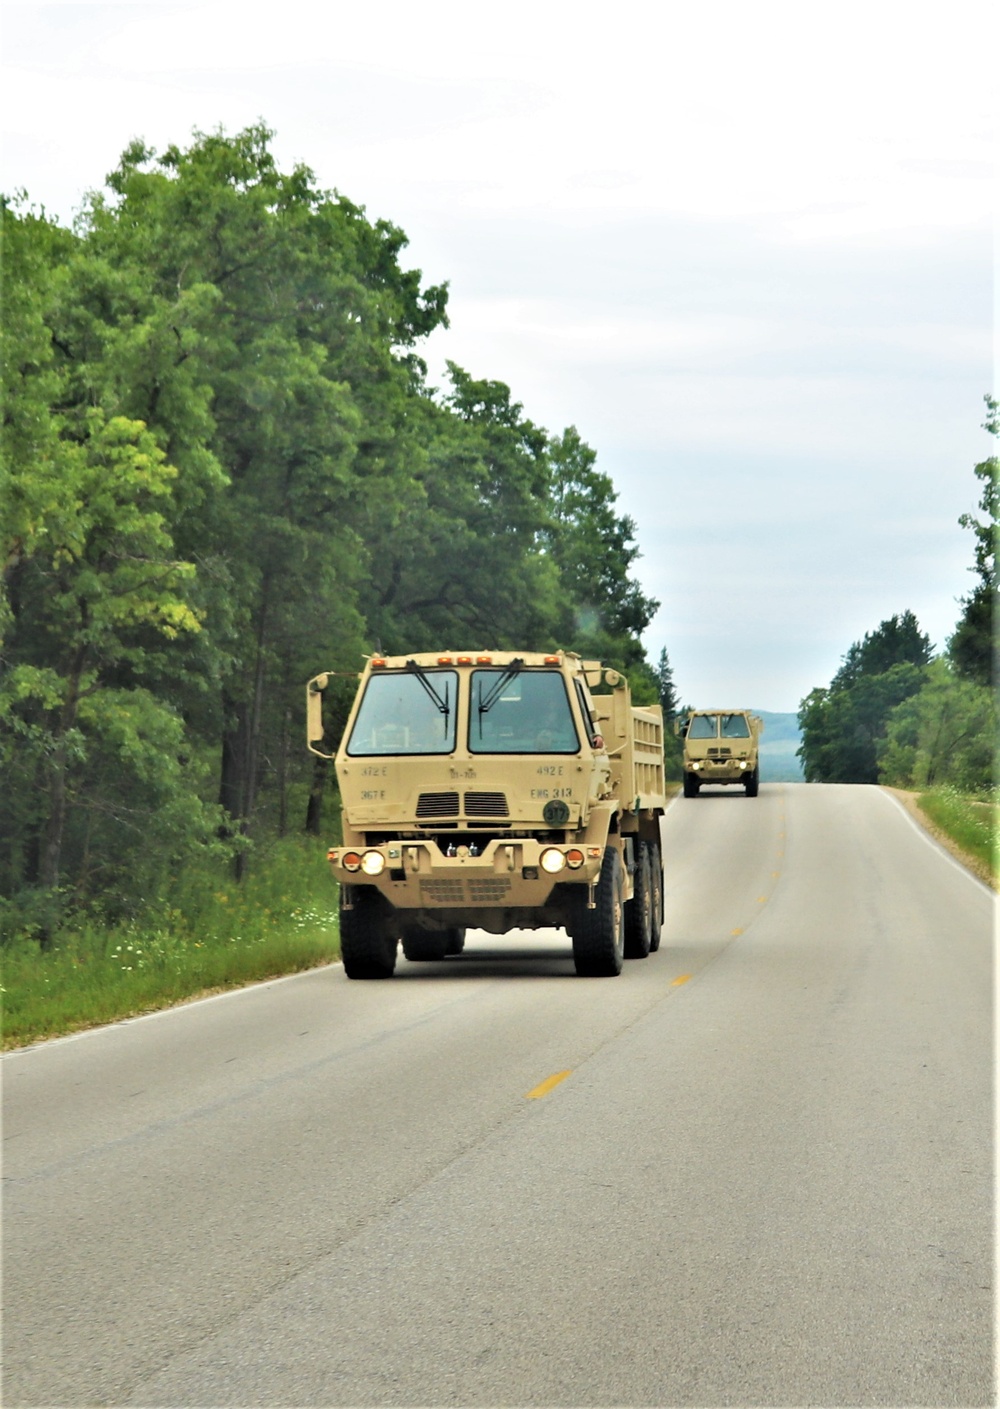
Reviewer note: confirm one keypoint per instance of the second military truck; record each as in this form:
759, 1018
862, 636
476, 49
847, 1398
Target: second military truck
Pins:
498, 790
721, 746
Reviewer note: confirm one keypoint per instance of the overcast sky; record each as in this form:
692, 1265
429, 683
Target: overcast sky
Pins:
746, 249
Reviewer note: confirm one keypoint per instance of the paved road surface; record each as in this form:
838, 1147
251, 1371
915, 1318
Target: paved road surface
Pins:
766, 1180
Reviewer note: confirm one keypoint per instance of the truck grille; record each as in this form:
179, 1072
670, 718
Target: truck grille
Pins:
442, 892
487, 892
437, 805
486, 805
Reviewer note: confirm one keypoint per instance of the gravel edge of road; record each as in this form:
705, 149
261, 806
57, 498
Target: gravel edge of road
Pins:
911, 801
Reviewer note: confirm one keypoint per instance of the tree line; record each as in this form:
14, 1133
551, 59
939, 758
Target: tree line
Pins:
224, 470
894, 712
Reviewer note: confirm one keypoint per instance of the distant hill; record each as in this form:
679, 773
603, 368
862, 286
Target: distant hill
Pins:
780, 739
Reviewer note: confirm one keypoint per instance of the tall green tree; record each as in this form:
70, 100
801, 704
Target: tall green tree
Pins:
842, 726
973, 647
460, 554
595, 550
897, 641
304, 339
666, 688
944, 734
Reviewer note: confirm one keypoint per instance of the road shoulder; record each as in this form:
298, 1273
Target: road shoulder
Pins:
911, 801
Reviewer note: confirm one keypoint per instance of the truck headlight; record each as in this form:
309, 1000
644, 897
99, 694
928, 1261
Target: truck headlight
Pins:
373, 863
574, 859
743, 763
696, 766
351, 861
552, 860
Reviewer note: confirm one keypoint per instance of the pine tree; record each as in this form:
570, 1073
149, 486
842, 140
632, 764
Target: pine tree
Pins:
665, 687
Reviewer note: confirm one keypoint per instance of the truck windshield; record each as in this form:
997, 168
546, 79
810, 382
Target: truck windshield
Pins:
399, 715
529, 714
703, 726
734, 726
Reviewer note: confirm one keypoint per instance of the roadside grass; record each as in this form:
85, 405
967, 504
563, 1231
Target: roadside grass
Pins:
208, 935
970, 823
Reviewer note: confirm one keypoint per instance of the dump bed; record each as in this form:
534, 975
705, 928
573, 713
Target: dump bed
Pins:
634, 739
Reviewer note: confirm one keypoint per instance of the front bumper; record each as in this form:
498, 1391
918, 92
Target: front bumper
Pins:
720, 770
416, 875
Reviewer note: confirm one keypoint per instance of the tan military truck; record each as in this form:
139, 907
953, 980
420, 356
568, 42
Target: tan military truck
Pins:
721, 746
497, 790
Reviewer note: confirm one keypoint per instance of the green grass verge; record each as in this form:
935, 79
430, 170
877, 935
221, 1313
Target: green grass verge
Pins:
209, 935
969, 822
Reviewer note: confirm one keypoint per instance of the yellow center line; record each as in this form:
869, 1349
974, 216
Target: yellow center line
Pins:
544, 1087
738, 931
682, 978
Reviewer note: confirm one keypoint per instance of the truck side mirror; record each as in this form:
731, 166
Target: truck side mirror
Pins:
315, 732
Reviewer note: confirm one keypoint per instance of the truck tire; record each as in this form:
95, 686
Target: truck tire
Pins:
639, 910
753, 783
456, 940
690, 785
656, 888
424, 946
368, 941
599, 934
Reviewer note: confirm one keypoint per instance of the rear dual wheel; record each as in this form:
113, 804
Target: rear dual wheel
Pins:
644, 912
639, 910
656, 889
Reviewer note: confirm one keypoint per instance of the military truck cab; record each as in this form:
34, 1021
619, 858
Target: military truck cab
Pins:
721, 746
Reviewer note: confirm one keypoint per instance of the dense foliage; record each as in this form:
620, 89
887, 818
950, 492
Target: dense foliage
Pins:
973, 647
842, 725
223, 470
891, 714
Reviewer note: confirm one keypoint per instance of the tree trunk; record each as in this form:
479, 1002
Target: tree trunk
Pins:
241, 746
314, 807
232, 776
51, 853
286, 720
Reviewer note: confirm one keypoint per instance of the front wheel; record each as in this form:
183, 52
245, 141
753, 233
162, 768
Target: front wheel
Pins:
691, 785
368, 939
753, 783
599, 934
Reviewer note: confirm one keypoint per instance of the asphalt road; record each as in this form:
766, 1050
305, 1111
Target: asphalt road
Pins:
765, 1180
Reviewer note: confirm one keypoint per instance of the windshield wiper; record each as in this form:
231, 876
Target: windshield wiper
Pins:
515, 668
440, 704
